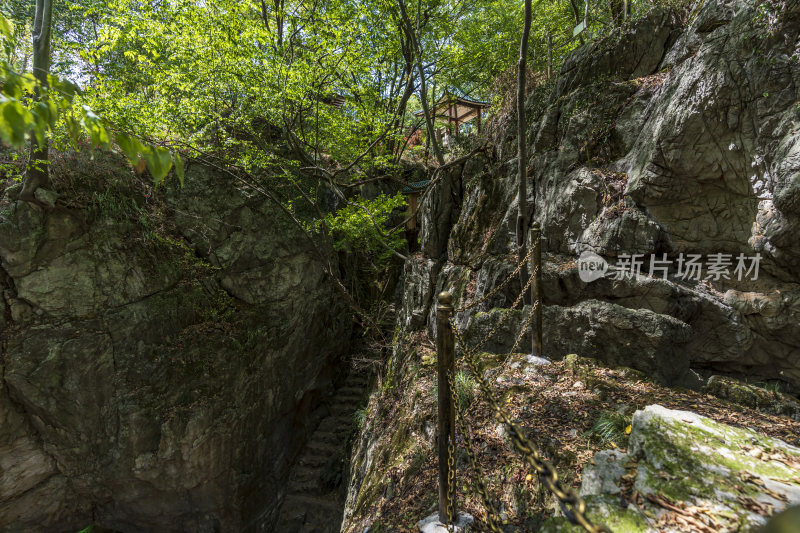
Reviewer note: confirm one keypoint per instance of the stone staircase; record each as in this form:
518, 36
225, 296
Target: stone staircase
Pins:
314, 501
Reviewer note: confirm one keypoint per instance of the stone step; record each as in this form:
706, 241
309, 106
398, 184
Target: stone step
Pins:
344, 409
361, 382
305, 501
307, 486
323, 448
351, 402
361, 378
309, 506
326, 437
349, 398
349, 390
308, 473
313, 460
310, 515
305, 514
340, 424
352, 399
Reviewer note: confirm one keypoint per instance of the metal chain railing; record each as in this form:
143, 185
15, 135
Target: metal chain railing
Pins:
478, 481
497, 289
451, 416
571, 503
524, 329
504, 318
451, 459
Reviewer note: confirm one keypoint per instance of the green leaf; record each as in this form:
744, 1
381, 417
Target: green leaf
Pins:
5, 127
178, 167
28, 83
12, 85
42, 112
95, 128
159, 161
41, 123
99, 135
130, 146
13, 119
53, 111
65, 88
74, 128
7, 28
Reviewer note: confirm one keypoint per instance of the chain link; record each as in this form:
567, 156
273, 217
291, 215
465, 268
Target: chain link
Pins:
492, 514
451, 467
571, 503
503, 319
524, 329
494, 291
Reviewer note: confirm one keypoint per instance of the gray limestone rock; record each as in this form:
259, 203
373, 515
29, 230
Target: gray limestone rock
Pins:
431, 524
48, 198
641, 339
155, 384
701, 157
683, 459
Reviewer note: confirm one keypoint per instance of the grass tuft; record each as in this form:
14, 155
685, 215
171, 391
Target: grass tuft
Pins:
466, 388
609, 427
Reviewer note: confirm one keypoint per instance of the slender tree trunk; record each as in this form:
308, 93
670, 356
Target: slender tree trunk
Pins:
279, 21
522, 146
423, 96
37, 174
617, 9
586, 18
577, 17
400, 119
411, 34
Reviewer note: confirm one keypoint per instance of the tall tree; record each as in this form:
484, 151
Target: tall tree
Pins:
522, 152
32, 107
38, 174
412, 33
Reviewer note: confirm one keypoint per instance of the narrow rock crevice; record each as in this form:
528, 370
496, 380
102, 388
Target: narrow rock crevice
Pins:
315, 494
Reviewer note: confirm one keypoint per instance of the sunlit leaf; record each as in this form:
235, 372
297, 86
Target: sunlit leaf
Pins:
159, 161
14, 119
130, 146
6, 28
178, 167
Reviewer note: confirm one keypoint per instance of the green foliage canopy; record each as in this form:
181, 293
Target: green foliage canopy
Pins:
272, 88
30, 111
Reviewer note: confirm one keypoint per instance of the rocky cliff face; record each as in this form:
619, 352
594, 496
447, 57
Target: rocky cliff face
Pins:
157, 373
678, 138
735, 476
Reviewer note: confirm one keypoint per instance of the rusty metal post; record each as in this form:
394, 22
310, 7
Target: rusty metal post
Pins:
535, 267
445, 348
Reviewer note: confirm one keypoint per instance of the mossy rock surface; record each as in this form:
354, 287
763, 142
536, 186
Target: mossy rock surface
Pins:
749, 395
684, 461
603, 509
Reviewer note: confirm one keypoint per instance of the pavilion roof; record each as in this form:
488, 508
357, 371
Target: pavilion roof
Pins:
415, 186
457, 108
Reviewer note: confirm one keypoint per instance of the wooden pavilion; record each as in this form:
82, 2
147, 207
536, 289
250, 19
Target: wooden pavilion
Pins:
457, 110
413, 191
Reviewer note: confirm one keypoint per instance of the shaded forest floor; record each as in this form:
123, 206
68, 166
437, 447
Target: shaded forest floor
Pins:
570, 409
